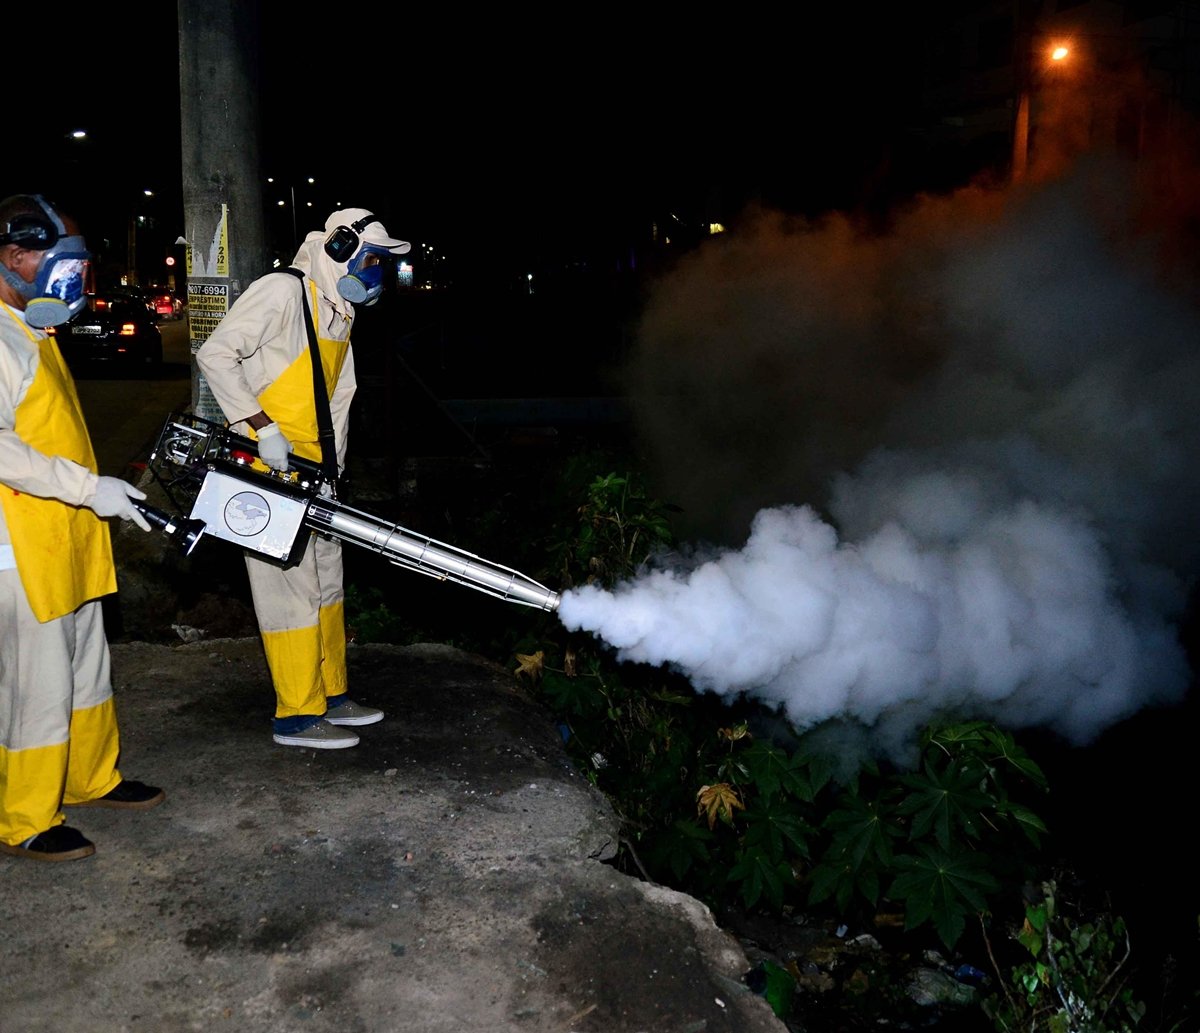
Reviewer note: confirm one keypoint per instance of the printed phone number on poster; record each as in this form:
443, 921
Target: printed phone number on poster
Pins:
214, 299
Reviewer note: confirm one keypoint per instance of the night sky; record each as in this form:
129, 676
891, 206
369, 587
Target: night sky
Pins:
496, 137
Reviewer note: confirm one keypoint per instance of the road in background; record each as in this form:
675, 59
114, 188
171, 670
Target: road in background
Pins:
125, 416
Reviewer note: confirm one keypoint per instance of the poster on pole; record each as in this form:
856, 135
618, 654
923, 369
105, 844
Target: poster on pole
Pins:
207, 305
213, 260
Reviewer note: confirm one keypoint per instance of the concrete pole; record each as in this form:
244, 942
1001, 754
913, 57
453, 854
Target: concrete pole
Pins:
222, 195
1020, 149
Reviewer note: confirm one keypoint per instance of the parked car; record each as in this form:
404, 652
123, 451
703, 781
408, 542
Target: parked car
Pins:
160, 302
100, 300
116, 331
165, 304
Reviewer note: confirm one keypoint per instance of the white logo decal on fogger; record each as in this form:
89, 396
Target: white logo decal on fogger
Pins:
247, 513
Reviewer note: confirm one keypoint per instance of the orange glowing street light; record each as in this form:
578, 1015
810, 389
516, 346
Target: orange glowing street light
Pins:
1057, 54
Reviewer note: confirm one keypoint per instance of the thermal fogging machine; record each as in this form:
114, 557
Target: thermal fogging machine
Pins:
212, 475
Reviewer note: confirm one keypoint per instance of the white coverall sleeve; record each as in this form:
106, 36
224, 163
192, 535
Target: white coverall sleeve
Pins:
253, 320
24, 468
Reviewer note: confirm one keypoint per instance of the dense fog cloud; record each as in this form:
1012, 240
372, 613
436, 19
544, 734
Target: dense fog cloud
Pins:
943, 470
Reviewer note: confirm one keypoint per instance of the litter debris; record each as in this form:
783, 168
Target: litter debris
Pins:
775, 983
188, 633
929, 987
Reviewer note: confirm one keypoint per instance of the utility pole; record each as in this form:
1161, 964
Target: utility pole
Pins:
222, 200
1023, 22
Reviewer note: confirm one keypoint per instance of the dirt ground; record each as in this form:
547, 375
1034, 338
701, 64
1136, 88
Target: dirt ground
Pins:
447, 874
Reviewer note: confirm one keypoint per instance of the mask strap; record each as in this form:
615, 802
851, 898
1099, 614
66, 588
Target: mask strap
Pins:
51, 214
25, 290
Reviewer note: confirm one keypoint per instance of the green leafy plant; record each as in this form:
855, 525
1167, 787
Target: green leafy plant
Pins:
728, 815
860, 849
619, 526
1074, 976
369, 618
940, 840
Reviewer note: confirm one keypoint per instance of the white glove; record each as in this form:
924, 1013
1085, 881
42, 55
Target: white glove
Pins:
112, 499
273, 447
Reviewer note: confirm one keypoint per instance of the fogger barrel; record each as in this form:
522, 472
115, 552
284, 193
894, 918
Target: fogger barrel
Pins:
408, 549
271, 514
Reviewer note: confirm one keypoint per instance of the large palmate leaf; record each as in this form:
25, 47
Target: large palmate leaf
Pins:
1029, 823
862, 829
860, 848
944, 802
682, 846
760, 877
942, 887
990, 746
774, 771
718, 802
836, 878
773, 826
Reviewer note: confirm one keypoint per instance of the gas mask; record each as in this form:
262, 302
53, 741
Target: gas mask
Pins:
57, 292
365, 278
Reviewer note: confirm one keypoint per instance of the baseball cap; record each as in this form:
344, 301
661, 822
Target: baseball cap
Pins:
372, 233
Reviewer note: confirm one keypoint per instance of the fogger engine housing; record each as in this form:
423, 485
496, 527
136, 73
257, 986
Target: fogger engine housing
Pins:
209, 472
267, 521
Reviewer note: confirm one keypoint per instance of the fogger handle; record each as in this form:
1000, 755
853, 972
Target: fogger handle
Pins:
184, 532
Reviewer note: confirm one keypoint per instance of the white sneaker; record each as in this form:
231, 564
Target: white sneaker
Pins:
351, 713
321, 736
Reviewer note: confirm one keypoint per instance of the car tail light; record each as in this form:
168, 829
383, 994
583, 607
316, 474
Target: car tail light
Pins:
128, 329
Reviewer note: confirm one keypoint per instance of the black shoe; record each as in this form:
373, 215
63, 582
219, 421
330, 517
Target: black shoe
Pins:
61, 843
128, 795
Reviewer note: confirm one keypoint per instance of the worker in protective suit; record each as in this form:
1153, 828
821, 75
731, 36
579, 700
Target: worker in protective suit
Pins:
59, 743
258, 365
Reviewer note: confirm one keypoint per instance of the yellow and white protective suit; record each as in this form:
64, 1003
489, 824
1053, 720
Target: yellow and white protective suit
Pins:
58, 728
258, 358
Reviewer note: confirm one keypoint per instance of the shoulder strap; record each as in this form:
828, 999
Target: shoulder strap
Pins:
320, 393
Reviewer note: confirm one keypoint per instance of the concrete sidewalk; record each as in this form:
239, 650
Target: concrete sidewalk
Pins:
444, 876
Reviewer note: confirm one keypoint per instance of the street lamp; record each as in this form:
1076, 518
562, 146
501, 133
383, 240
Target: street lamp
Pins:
1054, 54
292, 194
131, 271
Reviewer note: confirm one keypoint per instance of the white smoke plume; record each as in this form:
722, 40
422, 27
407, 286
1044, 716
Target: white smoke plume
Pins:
968, 447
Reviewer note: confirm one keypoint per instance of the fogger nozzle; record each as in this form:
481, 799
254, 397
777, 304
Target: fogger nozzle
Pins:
425, 555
